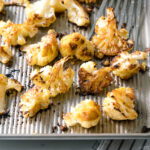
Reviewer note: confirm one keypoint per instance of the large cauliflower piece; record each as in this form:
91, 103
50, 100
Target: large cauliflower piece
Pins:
40, 13
43, 52
109, 40
2, 4
87, 1
5, 54
126, 65
119, 104
87, 114
77, 45
76, 13
33, 100
92, 80
56, 79
7, 84
15, 34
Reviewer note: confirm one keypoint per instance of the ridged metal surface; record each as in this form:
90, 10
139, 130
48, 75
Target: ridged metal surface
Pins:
133, 12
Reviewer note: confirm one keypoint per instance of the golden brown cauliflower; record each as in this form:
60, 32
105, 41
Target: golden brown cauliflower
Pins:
76, 13
7, 84
15, 34
109, 40
43, 52
87, 114
119, 104
5, 54
92, 80
2, 4
40, 13
87, 1
126, 65
56, 79
77, 45
22, 2
33, 100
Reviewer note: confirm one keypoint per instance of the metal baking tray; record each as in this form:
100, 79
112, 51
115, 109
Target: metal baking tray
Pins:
136, 14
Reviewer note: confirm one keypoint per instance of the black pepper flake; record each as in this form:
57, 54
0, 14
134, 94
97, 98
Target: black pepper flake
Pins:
9, 75
63, 128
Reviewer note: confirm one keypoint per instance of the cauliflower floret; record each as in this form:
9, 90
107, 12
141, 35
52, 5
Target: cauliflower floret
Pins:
15, 34
109, 40
2, 4
22, 2
5, 54
33, 100
43, 52
76, 13
7, 84
119, 104
126, 65
40, 13
87, 1
77, 45
56, 79
92, 80
87, 114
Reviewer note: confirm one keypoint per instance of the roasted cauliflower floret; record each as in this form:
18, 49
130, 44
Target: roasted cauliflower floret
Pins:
15, 34
5, 54
33, 100
87, 114
92, 80
40, 13
77, 45
43, 52
109, 40
76, 13
7, 84
126, 65
56, 79
119, 104
22, 2
87, 1
2, 4
57, 5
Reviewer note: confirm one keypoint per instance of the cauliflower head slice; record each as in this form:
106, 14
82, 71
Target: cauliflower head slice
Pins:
87, 1
7, 84
5, 54
34, 100
2, 4
76, 13
77, 45
56, 79
16, 34
119, 104
92, 80
40, 13
43, 52
109, 40
87, 113
126, 65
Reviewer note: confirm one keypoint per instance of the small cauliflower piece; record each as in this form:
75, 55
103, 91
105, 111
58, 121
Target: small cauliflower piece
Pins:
34, 100
109, 40
77, 45
126, 65
40, 13
56, 79
2, 4
92, 80
119, 104
87, 1
16, 34
22, 2
5, 54
43, 52
87, 114
7, 84
76, 13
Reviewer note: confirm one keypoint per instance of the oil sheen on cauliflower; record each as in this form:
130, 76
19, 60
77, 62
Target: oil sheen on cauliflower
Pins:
92, 80
87, 114
16, 34
87, 1
43, 52
7, 84
126, 65
119, 104
77, 45
56, 79
109, 40
76, 13
40, 13
5, 54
